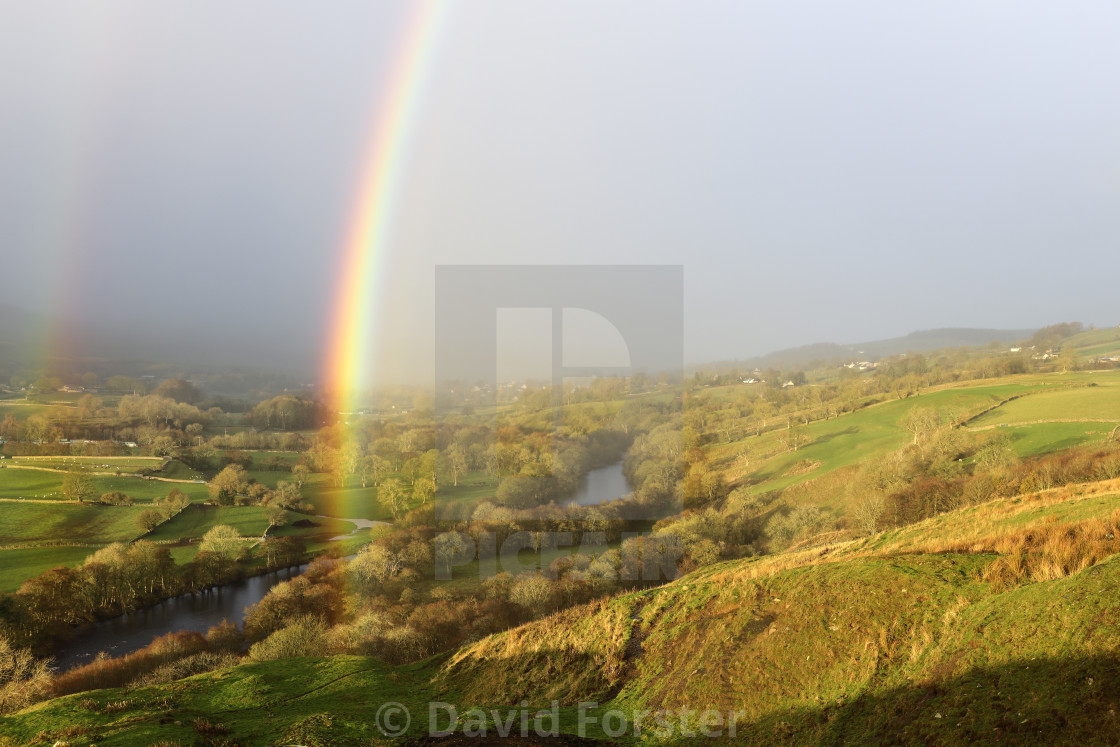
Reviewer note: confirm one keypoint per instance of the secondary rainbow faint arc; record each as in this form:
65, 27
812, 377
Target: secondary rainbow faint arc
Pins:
354, 321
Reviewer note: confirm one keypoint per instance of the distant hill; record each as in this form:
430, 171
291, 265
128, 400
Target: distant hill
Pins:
915, 342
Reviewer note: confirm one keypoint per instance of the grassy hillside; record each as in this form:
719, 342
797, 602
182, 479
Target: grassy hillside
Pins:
1036, 414
19, 564
60, 521
764, 462
993, 623
1096, 342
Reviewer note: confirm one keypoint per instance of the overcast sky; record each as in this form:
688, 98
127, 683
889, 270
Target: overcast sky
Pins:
835, 171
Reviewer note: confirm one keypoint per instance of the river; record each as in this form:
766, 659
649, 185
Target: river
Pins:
124, 634
198, 612
602, 484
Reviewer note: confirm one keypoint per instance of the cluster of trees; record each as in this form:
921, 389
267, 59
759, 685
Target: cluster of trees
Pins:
165, 508
172, 417
159, 425
232, 486
713, 533
287, 412
920, 492
409, 460
24, 678
378, 603
161, 412
655, 464
540, 475
1052, 336
123, 577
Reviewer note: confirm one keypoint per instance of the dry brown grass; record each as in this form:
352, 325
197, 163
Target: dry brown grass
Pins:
105, 672
569, 655
1054, 550
773, 564
984, 528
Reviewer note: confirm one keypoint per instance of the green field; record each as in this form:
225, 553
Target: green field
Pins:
351, 502
1043, 438
16, 566
1094, 343
251, 521
473, 487
1061, 419
851, 438
30, 525
261, 458
22, 409
1090, 403
25, 523
195, 520
33, 525
91, 464
357, 502
27, 483
176, 470
148, 490
268, 478
764, 462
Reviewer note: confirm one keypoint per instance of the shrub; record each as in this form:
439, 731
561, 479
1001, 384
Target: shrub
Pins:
148, 519
361, 636
115, 498
532, 592
306, 636
106, 672
801, 522
206, 661
23, 678
225, 636
289, 600
208, 729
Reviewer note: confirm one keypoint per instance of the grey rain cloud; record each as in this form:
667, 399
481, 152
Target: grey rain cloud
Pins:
822, 171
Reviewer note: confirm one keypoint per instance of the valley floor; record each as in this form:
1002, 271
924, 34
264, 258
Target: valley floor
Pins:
996, 623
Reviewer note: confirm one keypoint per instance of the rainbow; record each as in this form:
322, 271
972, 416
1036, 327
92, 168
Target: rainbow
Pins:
352, 336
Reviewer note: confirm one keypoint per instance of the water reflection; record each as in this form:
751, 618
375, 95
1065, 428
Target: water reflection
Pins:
198, 612
603, 484
127, 633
